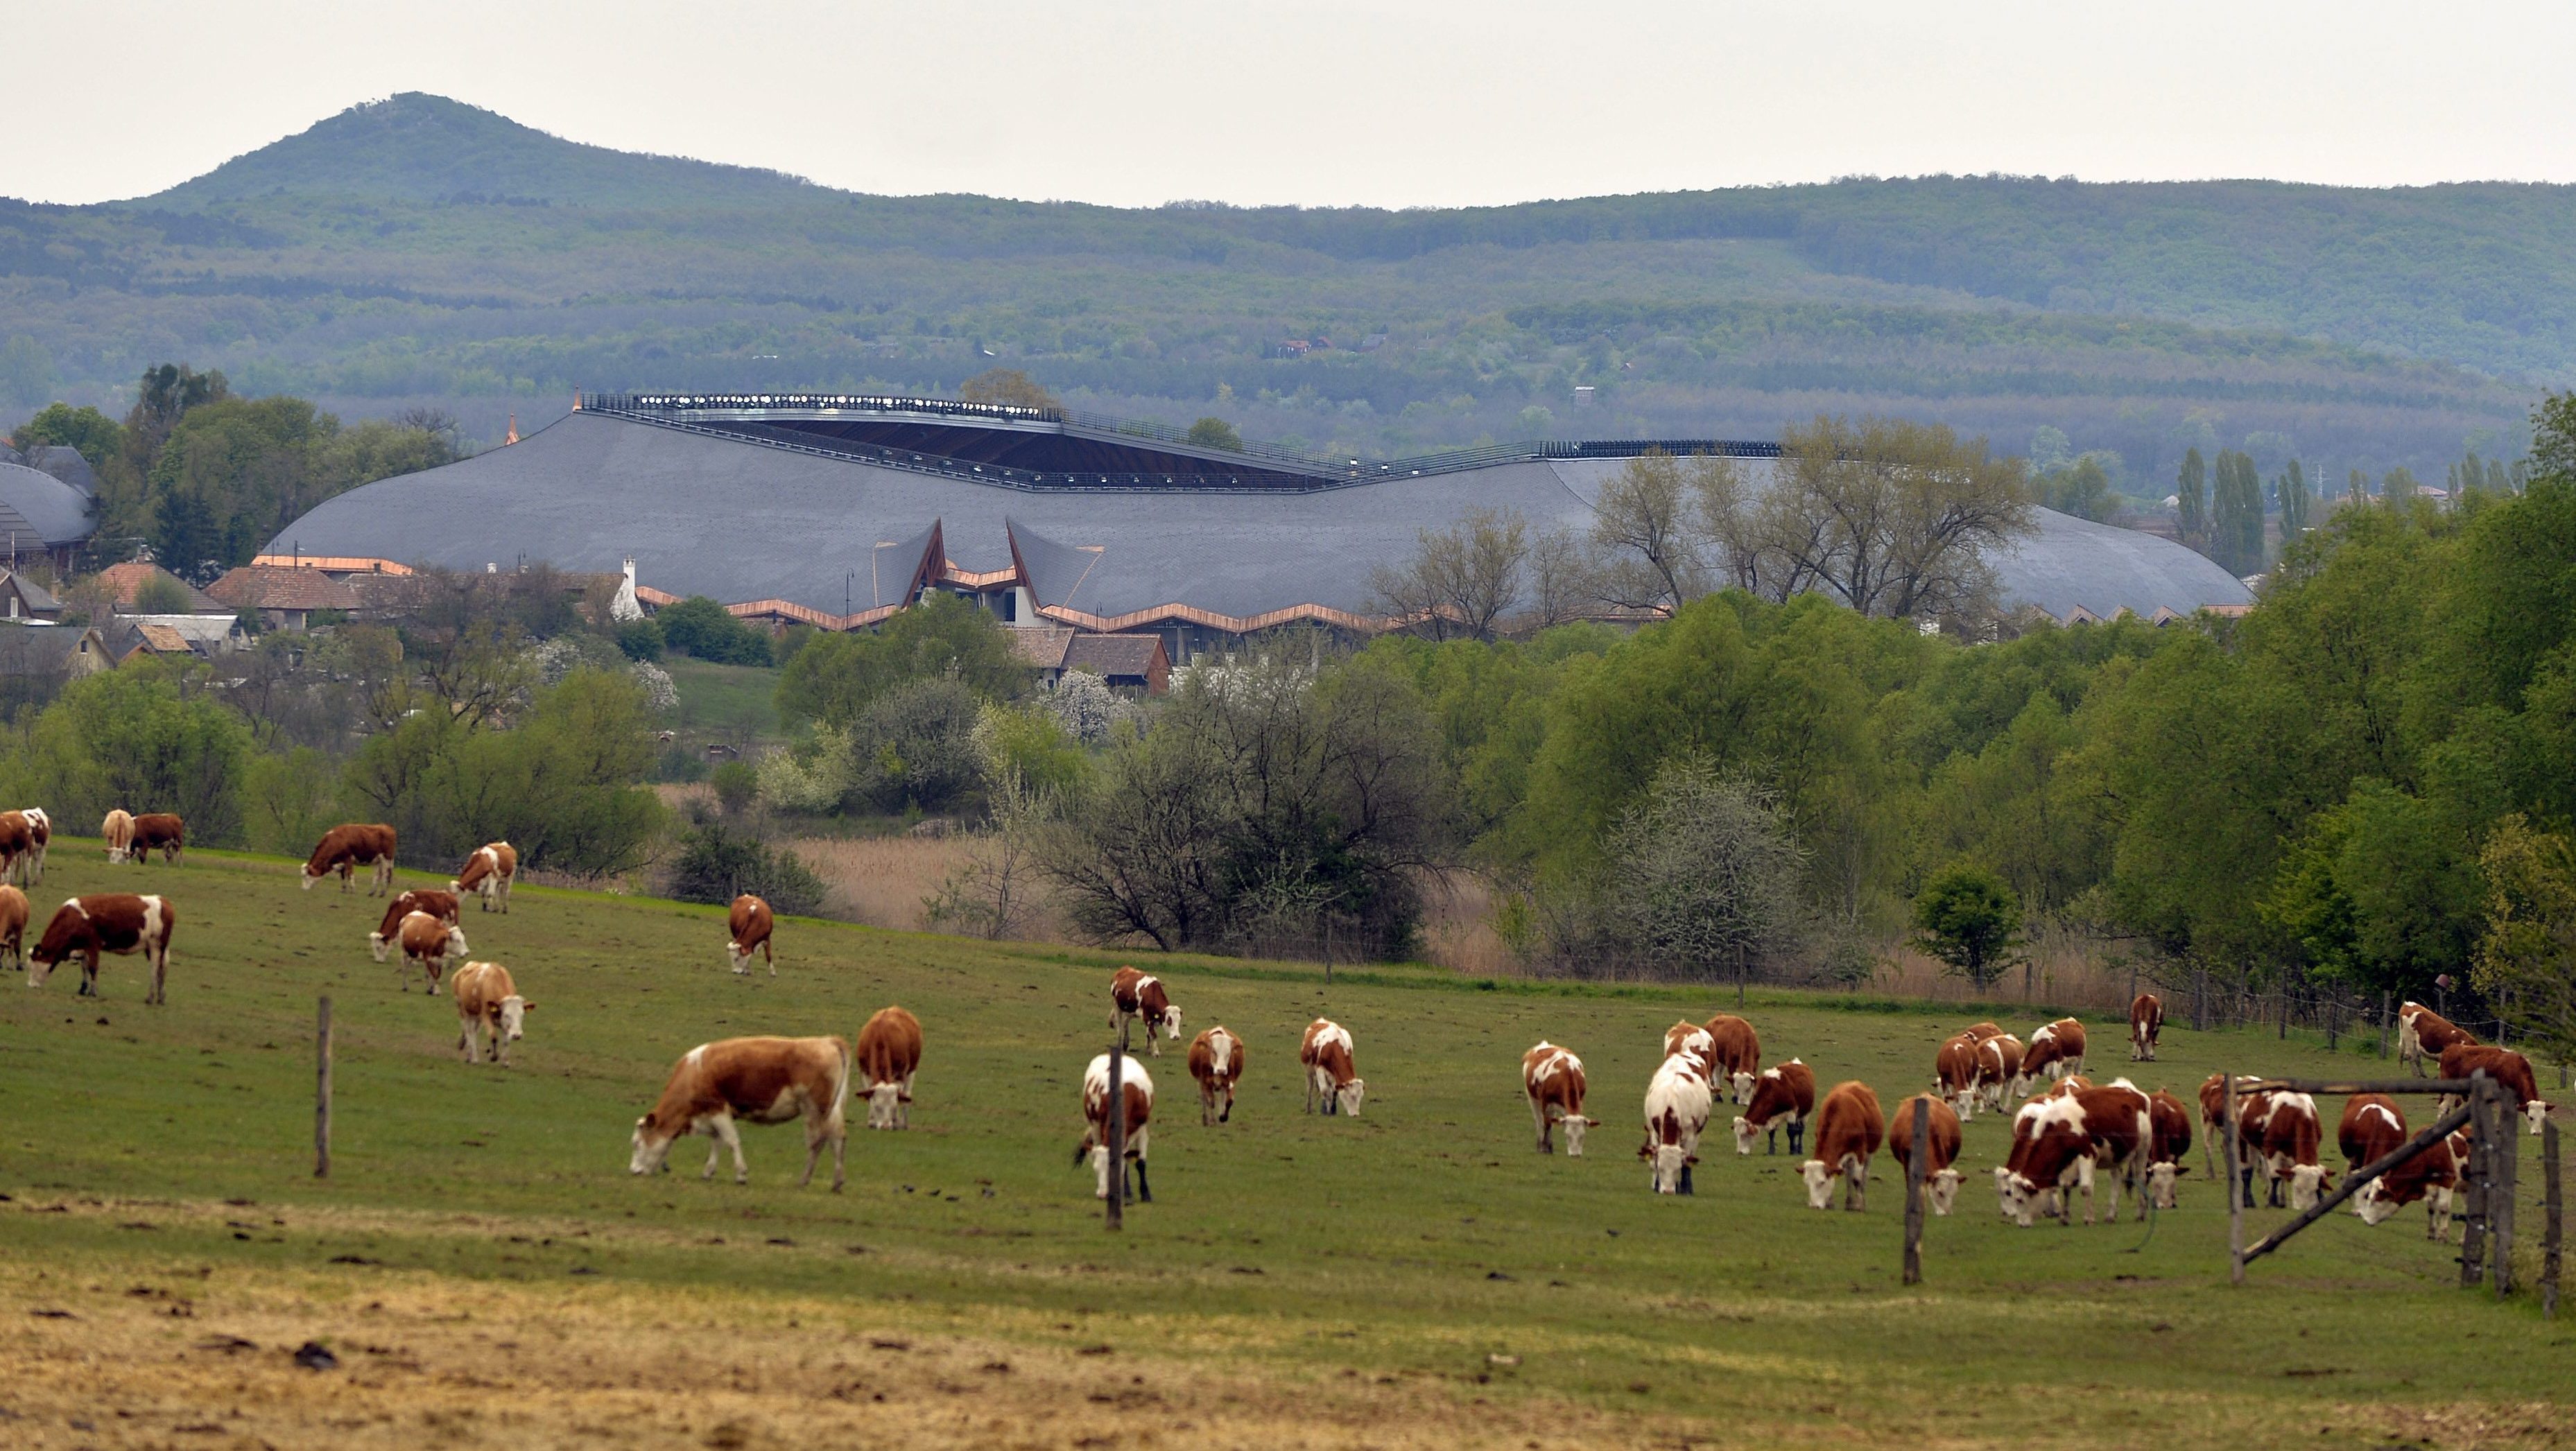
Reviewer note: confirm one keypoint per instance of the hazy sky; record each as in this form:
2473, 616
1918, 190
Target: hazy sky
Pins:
1421, 103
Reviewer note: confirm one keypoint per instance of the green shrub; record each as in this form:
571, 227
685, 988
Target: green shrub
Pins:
716, 865
640, 639
737, 782
699, 626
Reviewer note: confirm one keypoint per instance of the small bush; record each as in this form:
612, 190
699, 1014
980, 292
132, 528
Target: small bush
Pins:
737, 782
716, 865
640, 639
679, 763
701, 627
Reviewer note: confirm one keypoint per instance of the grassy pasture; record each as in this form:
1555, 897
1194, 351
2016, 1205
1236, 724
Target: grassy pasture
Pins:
489, 1272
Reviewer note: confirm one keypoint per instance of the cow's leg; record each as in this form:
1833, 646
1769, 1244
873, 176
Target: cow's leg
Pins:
1771, 1138
715, 1149
729, 1136
1797, 1137
89, 972
160, 977
1227, 1112
1310, 1090
1686, 1174
769, 957
465, 1043
1538, 1111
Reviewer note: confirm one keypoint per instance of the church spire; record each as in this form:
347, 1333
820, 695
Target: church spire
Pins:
514, 430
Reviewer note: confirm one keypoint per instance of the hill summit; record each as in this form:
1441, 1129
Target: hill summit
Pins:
416, 147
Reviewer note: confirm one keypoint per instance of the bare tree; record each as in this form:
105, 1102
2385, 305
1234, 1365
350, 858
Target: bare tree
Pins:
1705, 872
1465, 577
1903, 513
1644, 533
1562, 580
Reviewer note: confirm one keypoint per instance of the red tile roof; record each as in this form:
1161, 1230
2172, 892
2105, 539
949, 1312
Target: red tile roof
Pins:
127, 578
276, 587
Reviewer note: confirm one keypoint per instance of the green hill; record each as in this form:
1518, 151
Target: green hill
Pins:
417, 250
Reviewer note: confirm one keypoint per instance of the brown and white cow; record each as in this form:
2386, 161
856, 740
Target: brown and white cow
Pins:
2168, 1139
2057, 1050
754, 1080
1134, 994
1784, 1094
1940, 1179
13, 923
747, 927
1998, 1069
118, 922
17, 844
2509, 1069
1136, 1088
1849, 1130
489, 1004
1981, 1031
2422, 1035
489, 873
2213, 1116
1689, 1037
1954, 1074
2292, 1134
2433, 1176
433, 943
1552, 1080
342, 849
1734, 1056
40, 836
1331, 1076
888, 1055
1216, 1062
438, 904
1678, 1103
2058, 1143
118, 832
2372, 1128
160, 831
2071, 1083
2146, 1021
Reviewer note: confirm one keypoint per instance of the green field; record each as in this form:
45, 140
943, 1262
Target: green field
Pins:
490, 1274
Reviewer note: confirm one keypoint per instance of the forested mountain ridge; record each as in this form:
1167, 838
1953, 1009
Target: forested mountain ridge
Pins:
419, 250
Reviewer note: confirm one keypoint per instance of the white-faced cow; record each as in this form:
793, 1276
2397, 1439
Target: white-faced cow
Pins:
889, 1054
343, 849
754, 1080
1332, 1077
2146, 1020
2510, 1070
1940, 1178
2168, 1139
1689, 1037
118, 832
2213, 1116
489, 1005
2433, 1176
1734, 1057
13, 923
1134, 994
2292, 1135
2423, 1034
1849, 1131
2056, 1050
1998, 1069
1784, 1094
2372, 1127
1678, 1103
1552, 1080
489, 873
1136, 1088
1216, 1063
430, 943
2058, 1143
747, 927
118, 922
438, 904
40, 827
1954, 1073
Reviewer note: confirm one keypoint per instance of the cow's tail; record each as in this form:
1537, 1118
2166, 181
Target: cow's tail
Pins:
841, 1084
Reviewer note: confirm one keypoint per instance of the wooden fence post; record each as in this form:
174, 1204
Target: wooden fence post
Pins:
2505, 1165
2235, 1190
2552, 1219
1914, 1191
2473, 1227
1115, 1209
322, 1093
2384, 1020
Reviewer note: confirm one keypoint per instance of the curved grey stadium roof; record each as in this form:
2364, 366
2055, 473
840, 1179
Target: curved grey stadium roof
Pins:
741, 522
40, 504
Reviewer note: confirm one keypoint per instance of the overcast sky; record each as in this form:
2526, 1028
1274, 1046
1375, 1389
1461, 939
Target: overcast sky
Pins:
1416, 102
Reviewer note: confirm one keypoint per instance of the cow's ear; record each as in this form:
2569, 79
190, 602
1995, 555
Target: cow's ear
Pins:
526, 1007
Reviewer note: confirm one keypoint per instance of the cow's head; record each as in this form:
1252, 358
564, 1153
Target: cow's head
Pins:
2161, 1179
1172, 1027
1941, 1191
2306, 1182
1100, 1171
2534, 1113
1575, 1124
1820, 1182
883, 1099
514, 1011
1348, 1096
2374, 1203
378, 945
456, 948
652, 1146
2017, 1196
1743, 1089
454, 885
1745, 1135
1669, 1160
737, 959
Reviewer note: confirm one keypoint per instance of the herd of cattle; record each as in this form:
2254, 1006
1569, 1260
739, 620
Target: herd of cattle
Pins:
2067, 1132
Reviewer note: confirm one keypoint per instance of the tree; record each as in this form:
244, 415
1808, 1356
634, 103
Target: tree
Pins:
1465, 577
1643, 531
1704, 873
2292, 489
2082, 488
1968, 919
1906, 513
1216, 433
2526, 954
833, 679
700, 627
2191, 490
161, 595
2553, 436
92, 433
716, 865
2236, 515
133, 737
1007, 386
915, 747
232, 472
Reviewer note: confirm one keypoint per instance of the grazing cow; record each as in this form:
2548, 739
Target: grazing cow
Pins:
489, 873
438, 904
1134, 994
432, 942
118, 831
2373, 1126
40, 835
118, 922
1689, 1037
1678, 1103
2168, 1139
2213, 1115
1940, 1180
2423, 1034
888, 1055
17, 844
1216, 1061
2057, 1049
343, 849
2509, 1069
1954, 1074
2146, 1020
1552, 1079
1136, 1087
2433, 1176
489, 1003
1326, 1055
1849, 1130
1998, 1069
2058, 1143
13, 923
756, 1080
1783, 1094
1734, 1056
1981, 1030
747, 925
163, 832
2292, 1133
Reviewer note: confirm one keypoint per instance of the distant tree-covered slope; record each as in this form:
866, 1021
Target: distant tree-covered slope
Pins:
421, 251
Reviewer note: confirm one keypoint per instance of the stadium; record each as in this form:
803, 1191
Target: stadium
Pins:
835, 510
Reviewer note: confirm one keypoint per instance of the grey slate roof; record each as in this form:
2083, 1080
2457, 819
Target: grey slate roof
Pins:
65, 463
742, 522
41, 505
